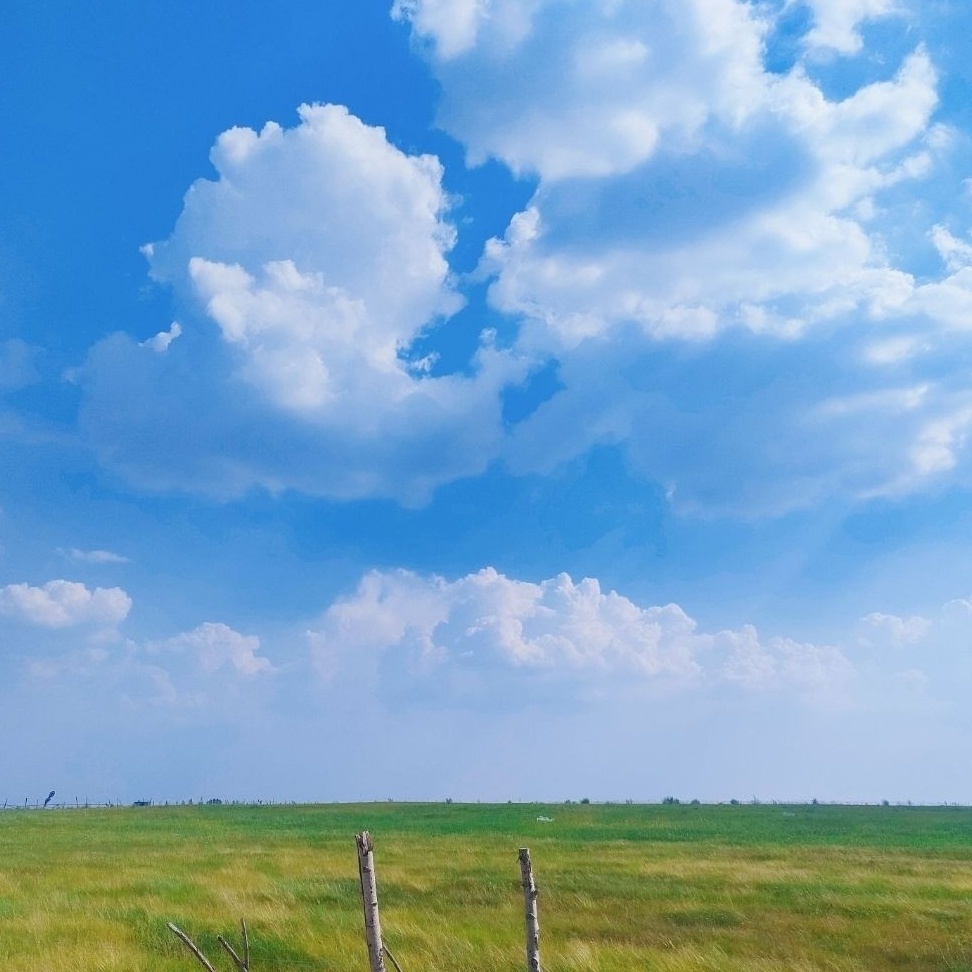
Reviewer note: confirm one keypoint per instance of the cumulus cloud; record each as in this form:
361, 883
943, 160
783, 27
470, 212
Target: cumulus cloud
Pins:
567, 89
837, 22
212, 667
747, 230
308, 268
322, 242
64, 604
760, 207
899, 630
217, 646
782, 663
452, 25
482, 633
488, 619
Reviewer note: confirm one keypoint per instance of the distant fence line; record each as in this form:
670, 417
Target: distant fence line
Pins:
79, 804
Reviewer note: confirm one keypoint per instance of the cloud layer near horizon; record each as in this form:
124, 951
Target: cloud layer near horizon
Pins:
462, 642
486, 636
404, 650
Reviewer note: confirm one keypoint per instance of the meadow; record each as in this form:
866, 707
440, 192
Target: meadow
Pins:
622, 887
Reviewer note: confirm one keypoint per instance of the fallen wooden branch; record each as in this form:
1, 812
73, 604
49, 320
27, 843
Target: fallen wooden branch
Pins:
242, 964
394, 961
191, 945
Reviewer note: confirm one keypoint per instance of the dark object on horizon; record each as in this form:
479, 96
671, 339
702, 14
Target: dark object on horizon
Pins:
50, 796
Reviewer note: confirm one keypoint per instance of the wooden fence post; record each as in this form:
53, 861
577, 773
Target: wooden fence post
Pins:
530, 903
369, 898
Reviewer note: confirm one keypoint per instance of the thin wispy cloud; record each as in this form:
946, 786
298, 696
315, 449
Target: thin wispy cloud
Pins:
94, 556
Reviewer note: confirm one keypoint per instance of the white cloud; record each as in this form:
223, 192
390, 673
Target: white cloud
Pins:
346, 232
955, 253
688, 201
487, 618
568, 89
748, 230
451, 24
320, 255
959, 608
64, 604
899, 630
770, 221
475, 634
216, 646
161, 341
783, 663
836, 22
211, 668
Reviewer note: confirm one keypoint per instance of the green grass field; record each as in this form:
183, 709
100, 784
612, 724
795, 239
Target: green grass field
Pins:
627, 887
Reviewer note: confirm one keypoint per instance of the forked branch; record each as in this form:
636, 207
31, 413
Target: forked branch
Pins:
191, 945
242, 964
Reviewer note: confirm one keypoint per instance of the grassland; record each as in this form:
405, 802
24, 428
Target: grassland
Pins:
668, 888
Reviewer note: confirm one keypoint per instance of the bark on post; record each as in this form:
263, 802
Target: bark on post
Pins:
530, 903
369, 898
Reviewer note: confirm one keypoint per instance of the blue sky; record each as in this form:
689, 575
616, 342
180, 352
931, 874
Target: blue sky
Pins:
486, 399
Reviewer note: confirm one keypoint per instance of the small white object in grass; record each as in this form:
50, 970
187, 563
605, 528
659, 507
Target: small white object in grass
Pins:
543, 819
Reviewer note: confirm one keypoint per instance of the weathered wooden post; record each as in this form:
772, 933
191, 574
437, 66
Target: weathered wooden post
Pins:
369, 898
530, 903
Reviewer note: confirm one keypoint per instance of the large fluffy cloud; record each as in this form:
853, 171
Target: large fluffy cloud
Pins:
729, 249
753, 228
320, 254
484, 634
307, 271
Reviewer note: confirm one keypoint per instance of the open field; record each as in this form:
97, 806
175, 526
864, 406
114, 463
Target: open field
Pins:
622, 887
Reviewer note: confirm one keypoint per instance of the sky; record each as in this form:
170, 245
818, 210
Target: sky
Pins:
486, 400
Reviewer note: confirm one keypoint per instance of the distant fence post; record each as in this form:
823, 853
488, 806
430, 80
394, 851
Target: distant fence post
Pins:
369, 898
530, 904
